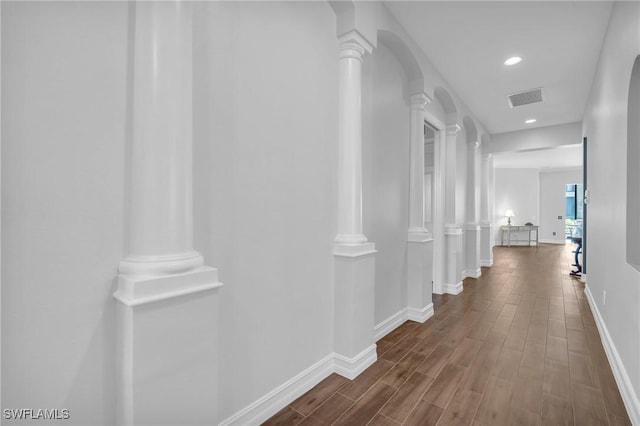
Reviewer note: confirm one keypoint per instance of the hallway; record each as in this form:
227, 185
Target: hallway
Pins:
518, 346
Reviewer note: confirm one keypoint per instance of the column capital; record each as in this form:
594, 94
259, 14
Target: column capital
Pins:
419, 100
486, 156
453, 129
353, 45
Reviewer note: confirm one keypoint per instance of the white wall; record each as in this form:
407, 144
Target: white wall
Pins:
265, 147
605, 126
552, 203
519, 190
63, 169
386, 177
537, 138
265, 167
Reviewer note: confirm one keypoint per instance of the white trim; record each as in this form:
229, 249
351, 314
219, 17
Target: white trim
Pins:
165, 296
352, 367
437, 288
549, 241
397, 319
265, 407
390, 324
454, 289
627, 392
433, 121
140, 290
471, 274
419, 236
420, 315
452, 230
354, 36
354, 250
486, 263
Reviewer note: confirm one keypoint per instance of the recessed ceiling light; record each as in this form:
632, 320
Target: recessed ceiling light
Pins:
513, 60
530, 121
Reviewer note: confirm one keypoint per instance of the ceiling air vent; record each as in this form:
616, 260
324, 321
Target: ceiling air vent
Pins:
524, 98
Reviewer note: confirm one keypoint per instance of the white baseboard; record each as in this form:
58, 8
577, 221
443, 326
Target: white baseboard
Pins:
351, 367
627, 392
420, 315
471, 274
390, 324
265, 407
486, 263
397, 319
548, 241
274, 401
453, 288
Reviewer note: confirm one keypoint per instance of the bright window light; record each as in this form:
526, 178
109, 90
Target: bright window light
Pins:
513, 60
530, 121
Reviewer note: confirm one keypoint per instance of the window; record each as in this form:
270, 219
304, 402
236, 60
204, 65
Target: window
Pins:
573, 202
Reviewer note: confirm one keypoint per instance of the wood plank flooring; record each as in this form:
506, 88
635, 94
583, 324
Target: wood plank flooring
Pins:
518, 347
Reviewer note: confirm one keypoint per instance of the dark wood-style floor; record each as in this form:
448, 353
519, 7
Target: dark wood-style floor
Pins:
518, 347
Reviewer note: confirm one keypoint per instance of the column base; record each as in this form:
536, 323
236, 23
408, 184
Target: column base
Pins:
419, 235
354, 307
420, 315
453, 289
167, 346
486, 246
453, 255
472, 251
161, 265
472, 273
352, 367
350, 240
419, 279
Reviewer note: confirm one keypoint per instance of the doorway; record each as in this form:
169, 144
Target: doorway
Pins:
574, 207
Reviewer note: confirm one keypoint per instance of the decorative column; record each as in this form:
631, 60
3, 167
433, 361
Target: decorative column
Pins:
486, 203
439, 166
168, 308
417, 231
419, 241
452, 232
354, 257
472, 228
352, 48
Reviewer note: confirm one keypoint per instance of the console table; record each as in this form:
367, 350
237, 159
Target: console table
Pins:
515, 228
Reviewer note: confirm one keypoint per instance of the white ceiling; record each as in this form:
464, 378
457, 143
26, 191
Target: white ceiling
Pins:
468, 42
565, 157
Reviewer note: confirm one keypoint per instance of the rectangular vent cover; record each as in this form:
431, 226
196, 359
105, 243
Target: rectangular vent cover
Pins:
525, 98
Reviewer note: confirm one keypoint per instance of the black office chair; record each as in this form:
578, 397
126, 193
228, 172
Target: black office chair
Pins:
578, 271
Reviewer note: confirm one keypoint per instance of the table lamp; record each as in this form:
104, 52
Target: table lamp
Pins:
509, 215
